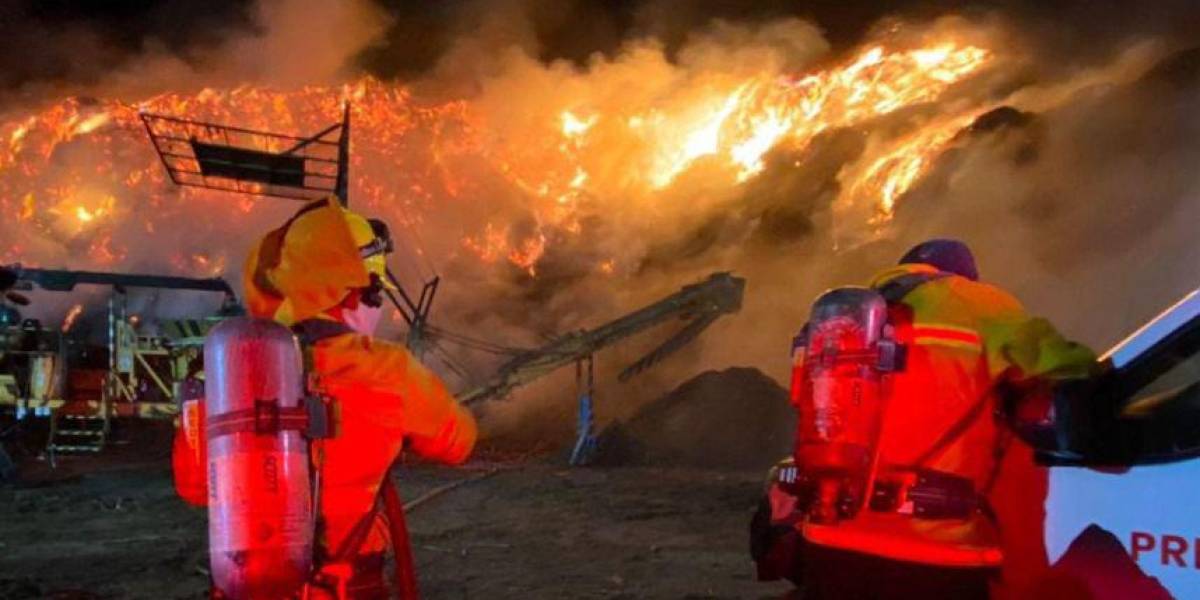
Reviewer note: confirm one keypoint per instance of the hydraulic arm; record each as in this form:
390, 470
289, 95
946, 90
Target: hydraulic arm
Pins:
57, 280
699, 304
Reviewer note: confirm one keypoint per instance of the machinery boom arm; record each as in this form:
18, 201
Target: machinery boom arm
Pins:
702, 303
56, 280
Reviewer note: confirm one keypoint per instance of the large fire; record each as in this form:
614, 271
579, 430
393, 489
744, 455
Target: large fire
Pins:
79, 179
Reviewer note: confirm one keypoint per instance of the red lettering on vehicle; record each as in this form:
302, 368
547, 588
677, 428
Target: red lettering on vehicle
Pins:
1140, 542
1173, 548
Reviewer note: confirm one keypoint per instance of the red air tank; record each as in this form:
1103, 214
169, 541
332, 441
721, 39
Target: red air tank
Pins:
839, 400
260, 525
189, 453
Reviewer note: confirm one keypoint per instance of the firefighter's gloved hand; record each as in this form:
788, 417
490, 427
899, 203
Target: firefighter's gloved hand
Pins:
1064, 420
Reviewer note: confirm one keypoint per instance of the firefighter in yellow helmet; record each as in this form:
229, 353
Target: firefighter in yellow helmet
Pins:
323, 273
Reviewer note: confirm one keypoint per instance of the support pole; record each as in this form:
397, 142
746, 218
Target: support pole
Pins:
585, 443
342, 188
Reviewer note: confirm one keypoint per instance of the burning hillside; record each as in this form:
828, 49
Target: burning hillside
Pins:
74, 174
580, 190
683, 178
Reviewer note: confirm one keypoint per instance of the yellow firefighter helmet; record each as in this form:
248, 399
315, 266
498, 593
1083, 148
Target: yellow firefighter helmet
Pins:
313, 261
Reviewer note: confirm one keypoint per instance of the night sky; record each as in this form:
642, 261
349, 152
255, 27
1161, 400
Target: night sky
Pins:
78, 42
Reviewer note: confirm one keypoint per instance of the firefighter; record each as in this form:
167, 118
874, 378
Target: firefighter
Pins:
324, 275
954, 509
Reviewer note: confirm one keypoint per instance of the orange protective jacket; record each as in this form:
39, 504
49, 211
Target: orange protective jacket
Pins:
963, 338
386, 400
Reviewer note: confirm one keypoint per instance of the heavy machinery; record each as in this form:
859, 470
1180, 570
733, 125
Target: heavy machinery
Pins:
238, 160
262, 163
699, 304
43, 374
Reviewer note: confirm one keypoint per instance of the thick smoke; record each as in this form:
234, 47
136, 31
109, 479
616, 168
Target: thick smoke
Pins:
180, 46
79, 208
1075, 190
1070, 180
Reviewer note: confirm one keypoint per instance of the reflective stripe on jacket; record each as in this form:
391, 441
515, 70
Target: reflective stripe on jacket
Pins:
963, 338
386, 401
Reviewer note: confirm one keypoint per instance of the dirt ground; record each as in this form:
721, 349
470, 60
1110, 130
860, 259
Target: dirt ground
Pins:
111, 527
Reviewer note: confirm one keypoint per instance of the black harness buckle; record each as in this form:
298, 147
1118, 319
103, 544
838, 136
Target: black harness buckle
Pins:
320, 417
266, 417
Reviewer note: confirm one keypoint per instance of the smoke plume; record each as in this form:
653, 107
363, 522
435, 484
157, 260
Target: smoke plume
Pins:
556, 178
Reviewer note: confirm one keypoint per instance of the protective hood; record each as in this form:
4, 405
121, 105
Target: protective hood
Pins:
950, 256
306, 267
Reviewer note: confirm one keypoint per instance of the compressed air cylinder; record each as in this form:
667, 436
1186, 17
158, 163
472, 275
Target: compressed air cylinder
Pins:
189, 452
260, 524
839, 397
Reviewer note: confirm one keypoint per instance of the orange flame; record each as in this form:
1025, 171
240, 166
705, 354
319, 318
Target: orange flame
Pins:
411, 158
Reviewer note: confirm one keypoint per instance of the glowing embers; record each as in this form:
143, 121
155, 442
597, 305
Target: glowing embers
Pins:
744, 123
80, 171
521, 251
77, 211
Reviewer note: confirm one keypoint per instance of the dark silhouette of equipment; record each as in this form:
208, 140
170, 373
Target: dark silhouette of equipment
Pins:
59, 280
247, 161
37, 358
699, 304
262, 163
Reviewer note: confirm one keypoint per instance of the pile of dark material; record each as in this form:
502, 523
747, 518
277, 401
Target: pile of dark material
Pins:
733, 419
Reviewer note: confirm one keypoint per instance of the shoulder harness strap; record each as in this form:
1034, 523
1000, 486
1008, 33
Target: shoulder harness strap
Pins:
311, 331
893, 292
896, 289
956, 431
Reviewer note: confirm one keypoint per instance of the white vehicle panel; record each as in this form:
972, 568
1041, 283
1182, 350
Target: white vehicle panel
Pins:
1153, 510
1159, 503
1155, 331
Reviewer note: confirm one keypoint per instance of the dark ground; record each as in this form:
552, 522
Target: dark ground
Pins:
673, 526
534, 530
735, 419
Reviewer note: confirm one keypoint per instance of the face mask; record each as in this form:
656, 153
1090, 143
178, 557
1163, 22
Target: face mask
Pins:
363, 319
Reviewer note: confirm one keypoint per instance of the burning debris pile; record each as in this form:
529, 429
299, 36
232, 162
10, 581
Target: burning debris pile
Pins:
605, 153
78, 178
733, 419
550, 194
